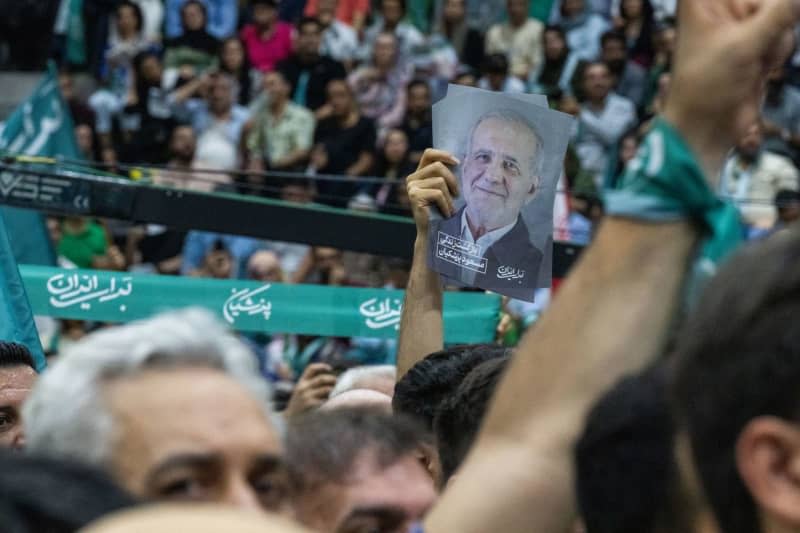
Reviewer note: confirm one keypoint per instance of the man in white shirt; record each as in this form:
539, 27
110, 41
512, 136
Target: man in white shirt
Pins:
603, 120
339, 40
753, 176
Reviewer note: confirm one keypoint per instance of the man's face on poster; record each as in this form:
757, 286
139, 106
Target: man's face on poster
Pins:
498, 175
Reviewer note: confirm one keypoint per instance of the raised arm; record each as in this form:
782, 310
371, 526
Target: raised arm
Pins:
421, 325
612, 315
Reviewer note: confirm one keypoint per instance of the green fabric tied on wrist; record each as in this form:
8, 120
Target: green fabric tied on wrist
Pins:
665, 183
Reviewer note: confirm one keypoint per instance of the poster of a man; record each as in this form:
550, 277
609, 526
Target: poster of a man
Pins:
500, 237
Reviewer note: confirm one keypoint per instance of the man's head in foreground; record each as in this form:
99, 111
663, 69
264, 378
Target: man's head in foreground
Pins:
17, 376
736, 387
39, 495
356, 471
627, 477
420, 392
172, 407
502, 169
459, 417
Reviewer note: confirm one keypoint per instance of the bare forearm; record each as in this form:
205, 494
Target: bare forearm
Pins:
421, 325
610, 318
292, 159
362, 166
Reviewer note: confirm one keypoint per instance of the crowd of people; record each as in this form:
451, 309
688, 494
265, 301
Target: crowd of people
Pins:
644, 399
284, 101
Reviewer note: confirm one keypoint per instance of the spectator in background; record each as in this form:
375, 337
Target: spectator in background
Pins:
636, 22
233, 61
466, 76
147, 118
80, 112
343, 144
557, 69
153, 248
380, 87
182, 148
583, 28
86, 244
283, 132
351, 13
787, 203
217, 263
356, 469
394, 164
125, 41
628, 146
87, 147
391, 20
662, 9
630, 77
781, 114
418, 122
216, 255
308, 72
194, 50
520, 39
17, 376
152, 19
339, 39
267, 39
265, 266
496, 77
467, 41
664, 47
220, 20
217, 122
753, 176
603, 119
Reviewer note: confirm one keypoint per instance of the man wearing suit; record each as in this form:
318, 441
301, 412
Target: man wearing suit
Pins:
486, 243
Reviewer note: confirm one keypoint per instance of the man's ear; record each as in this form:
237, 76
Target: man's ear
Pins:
428, 457
532, 191
768, 460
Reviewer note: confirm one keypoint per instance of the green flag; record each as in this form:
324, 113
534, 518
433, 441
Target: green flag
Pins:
16, 319
40, 126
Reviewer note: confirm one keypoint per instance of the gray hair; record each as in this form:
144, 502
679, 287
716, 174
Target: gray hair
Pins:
356, 377
66, 416
509, 115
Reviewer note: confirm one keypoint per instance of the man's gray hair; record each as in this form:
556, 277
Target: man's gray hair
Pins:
66, 415
509, 115
358, 377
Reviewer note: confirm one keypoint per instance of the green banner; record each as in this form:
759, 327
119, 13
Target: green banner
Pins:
16, 320
40, 126
248, 306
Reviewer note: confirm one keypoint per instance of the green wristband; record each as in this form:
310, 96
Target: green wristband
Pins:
665, 183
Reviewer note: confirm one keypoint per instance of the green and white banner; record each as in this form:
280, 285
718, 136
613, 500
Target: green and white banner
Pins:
248, 306
40, 126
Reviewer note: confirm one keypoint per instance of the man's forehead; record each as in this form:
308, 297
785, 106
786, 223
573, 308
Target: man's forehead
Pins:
404, 484
185, 410
492, 125
17, 377
512, 133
